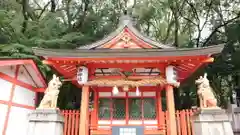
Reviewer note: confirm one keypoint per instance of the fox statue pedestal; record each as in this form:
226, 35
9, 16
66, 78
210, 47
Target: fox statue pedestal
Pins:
211, 122
236, 120
45, 122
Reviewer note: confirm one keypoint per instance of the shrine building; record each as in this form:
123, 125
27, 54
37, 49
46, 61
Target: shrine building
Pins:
20, 81
126, 72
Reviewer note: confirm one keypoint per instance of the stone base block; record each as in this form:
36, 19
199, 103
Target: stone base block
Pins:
45, 122
236, 132
236, 121
211, 122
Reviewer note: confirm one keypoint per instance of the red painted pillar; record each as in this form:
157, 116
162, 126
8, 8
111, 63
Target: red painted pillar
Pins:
171, 110
159, 112
84, 115
94, 113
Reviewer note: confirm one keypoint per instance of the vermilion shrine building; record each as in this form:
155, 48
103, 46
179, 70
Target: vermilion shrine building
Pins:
122, 72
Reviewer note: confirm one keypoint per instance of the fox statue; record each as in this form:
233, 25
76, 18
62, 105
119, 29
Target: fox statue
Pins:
51, 94
206, 96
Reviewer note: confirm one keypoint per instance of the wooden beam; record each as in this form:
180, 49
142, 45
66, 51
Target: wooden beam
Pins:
65, 74
141, 88
71, 76
139, 42
116, 77
17, 82
208, 60
41, 89
163, 59
14, 62
84, 116
110, 64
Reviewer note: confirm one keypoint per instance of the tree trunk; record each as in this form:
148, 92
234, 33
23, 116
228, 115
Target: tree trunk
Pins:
176, 43
53, 6
25, 15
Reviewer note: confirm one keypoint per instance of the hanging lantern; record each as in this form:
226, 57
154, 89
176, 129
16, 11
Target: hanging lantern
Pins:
171, 74
115, 90
137, 91
82, 75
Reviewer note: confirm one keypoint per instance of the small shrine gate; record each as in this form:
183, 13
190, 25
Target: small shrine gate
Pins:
126, 73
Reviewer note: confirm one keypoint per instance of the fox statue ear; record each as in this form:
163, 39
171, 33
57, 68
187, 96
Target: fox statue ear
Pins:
58, 78
54, 76
205, 75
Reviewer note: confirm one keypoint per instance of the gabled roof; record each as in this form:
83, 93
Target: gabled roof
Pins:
30, 68
126, 26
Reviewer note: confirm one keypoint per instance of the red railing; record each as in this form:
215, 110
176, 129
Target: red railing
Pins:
71, 122
184, 123
183, 119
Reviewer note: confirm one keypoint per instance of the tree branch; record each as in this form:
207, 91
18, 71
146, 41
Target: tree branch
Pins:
43, 10
37, 4
69, 17
194, 10
207, 16
78, 12
187, 19
79, 24
219, 26
200, 29
168, 31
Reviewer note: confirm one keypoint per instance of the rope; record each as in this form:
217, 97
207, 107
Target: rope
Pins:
124, 82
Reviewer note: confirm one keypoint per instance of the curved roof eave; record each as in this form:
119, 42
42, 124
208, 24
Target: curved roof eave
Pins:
99, 53
125, 22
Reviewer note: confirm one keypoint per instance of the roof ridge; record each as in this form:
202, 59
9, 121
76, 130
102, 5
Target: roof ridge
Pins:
125, 21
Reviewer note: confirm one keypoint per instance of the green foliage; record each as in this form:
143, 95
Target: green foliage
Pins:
69, 24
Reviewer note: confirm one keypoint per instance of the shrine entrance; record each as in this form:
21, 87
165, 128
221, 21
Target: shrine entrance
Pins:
130, 107
127, 108
127, 73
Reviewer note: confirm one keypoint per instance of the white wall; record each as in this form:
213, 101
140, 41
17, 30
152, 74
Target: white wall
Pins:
24, 96
24, 76
17, 120
3, 112
8, 70
5, 90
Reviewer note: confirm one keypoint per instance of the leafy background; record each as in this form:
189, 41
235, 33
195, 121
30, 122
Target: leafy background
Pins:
71, 23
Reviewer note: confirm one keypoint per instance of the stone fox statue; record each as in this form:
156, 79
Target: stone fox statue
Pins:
206, 96
51, 94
